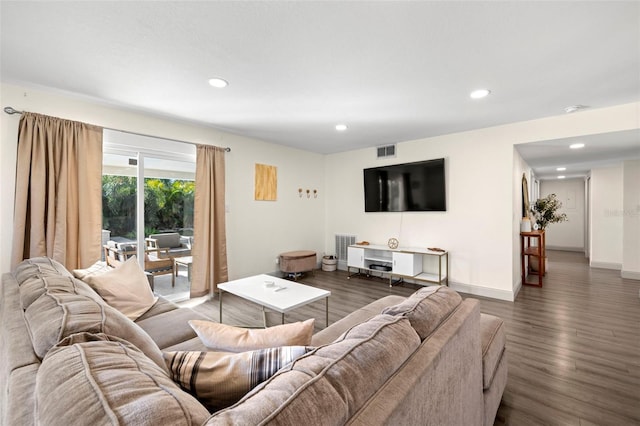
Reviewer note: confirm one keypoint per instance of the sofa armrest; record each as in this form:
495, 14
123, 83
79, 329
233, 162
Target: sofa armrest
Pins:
440, 384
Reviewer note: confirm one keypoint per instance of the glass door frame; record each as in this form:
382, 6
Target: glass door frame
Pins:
140, 155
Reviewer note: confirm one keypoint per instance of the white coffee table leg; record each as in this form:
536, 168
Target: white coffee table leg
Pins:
264, 317
220, 308
326, 312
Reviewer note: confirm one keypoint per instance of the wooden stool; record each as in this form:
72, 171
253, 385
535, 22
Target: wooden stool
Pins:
296, 262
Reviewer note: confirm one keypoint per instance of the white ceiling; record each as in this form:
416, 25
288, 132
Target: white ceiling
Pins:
600, 150
391, 71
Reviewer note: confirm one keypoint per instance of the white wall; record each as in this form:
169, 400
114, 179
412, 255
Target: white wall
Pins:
520, 168
606, 226
472, 229
568, 235
479, 226
256, 230
631, 220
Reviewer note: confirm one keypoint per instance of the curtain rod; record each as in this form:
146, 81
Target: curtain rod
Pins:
10, 110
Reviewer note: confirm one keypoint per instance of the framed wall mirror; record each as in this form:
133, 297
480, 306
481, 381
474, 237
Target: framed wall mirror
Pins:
525, 197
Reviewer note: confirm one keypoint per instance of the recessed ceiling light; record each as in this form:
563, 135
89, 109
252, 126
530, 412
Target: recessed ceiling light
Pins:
480, 93
218, 82
341, 127
561, 177
561, 169
576, 146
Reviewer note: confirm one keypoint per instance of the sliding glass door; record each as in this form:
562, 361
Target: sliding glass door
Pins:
119, 198
148, 194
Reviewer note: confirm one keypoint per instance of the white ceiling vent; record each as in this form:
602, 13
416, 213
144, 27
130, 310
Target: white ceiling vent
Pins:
386, 151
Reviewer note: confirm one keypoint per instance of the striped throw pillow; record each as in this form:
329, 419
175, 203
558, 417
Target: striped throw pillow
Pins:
220, 379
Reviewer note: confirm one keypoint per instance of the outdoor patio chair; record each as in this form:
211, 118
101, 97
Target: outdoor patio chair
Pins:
172, 244
116, 253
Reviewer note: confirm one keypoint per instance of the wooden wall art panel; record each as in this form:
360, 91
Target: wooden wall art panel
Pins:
266, 183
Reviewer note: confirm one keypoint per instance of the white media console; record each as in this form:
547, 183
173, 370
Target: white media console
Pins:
400, 263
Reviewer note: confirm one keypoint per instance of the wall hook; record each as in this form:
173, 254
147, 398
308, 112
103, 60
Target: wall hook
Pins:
315, 193
308, 193
300, 192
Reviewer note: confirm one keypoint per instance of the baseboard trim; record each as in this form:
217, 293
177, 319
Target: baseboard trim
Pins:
563, 248
475, 290
492, 293
606, 265
517, 289
630, 275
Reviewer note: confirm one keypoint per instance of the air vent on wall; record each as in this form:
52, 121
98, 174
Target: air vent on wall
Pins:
343, 241
386, 151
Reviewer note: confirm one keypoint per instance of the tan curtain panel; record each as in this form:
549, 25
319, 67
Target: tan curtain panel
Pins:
210, 240
58, 210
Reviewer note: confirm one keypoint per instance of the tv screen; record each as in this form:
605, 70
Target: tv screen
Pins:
409, 187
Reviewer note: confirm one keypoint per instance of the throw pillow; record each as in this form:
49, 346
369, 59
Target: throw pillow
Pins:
38, 267
97, 268
220, 379
125, 288
235, 339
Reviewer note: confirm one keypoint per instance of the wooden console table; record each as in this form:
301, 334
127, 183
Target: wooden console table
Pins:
527, 250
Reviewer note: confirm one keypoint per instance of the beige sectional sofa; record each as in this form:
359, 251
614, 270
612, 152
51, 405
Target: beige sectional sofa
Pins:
69, 358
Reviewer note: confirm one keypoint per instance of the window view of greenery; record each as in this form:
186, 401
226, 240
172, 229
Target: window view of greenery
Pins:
168, 205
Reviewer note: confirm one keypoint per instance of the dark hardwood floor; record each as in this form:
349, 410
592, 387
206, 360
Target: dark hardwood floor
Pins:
573, 345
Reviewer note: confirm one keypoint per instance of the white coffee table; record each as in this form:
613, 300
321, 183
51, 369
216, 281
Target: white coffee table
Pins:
290, 296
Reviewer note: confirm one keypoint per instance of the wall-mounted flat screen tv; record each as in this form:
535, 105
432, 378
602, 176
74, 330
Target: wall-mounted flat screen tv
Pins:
409, 187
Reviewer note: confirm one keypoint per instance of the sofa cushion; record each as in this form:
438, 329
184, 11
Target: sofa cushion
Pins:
106, 380
194, 344
39, 266
168, 240
427, 308
170, 328
219, 379
335, 330
34, 287
58, 314
333, 381
160, 307
125, 288
493, 340
235, 339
